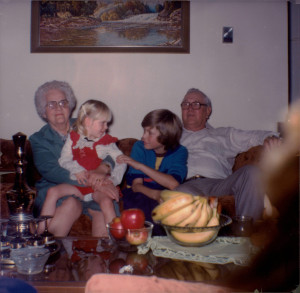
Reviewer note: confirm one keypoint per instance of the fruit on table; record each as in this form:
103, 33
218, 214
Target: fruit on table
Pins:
117, 230
167, 194
132, 219
171, 205
195, 237
185, 210
203, 220
200, 237
191, 220
136, 237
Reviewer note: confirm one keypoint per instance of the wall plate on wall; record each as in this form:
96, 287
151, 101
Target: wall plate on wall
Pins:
227, 34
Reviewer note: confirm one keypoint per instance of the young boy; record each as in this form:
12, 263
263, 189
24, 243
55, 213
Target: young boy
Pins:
156, 162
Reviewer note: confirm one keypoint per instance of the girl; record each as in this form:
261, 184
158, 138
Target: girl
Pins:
156, 162
89, 154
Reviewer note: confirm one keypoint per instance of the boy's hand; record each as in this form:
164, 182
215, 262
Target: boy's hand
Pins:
82, 177
156, 195
123, 159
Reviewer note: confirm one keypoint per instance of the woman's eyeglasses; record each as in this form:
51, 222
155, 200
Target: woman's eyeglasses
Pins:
194, 105
54, 105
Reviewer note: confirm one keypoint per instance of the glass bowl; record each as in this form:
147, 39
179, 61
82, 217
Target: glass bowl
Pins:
195, 236
30, 261
129, 239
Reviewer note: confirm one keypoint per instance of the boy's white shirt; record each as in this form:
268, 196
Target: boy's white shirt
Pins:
67, 161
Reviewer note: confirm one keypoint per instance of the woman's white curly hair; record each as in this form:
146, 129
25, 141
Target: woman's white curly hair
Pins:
40, 99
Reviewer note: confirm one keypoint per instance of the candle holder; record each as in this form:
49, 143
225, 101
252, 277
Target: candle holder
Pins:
20, 198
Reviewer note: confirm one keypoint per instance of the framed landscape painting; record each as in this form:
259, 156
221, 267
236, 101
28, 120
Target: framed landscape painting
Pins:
150, 26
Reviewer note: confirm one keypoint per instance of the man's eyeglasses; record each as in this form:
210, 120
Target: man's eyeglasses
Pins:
195, 105
54, 105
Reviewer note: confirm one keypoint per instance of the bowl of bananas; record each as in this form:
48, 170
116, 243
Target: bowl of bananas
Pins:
190, 220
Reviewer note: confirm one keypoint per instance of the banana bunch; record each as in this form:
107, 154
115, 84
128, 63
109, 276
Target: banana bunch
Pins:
185, 210
189, 271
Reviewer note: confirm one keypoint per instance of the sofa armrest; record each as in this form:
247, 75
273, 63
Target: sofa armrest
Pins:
252, 156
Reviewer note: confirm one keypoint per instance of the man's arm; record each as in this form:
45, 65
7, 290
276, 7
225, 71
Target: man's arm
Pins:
242, 140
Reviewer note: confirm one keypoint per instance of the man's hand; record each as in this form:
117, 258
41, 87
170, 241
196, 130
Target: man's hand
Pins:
271, 142
123, 159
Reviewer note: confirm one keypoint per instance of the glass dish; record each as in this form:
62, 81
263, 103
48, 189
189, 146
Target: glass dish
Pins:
132, 237
195, 236
30, 261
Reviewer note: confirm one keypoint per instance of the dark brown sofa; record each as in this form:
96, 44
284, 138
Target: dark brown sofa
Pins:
83, 225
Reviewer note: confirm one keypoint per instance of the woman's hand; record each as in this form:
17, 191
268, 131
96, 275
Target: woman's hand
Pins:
108, 190
98, 175
82, 177
123, 159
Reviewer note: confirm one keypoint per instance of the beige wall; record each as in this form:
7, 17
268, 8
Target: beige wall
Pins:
246, 80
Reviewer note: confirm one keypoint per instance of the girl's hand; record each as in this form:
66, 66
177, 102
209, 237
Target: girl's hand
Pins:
98, 175
106, 181
82, 177
123, 159
95, 178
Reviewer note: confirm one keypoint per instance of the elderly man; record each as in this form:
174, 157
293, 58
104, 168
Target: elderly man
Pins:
211, 156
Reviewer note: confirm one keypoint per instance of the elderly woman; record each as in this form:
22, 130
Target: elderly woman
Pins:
54, 103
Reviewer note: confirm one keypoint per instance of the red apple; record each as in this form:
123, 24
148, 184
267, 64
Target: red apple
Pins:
137, 261
116, 228
137, 237
132, 219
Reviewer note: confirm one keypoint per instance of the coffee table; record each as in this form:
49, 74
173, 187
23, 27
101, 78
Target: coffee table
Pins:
78, 258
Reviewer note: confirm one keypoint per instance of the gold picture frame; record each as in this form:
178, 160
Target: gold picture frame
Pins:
60, 28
